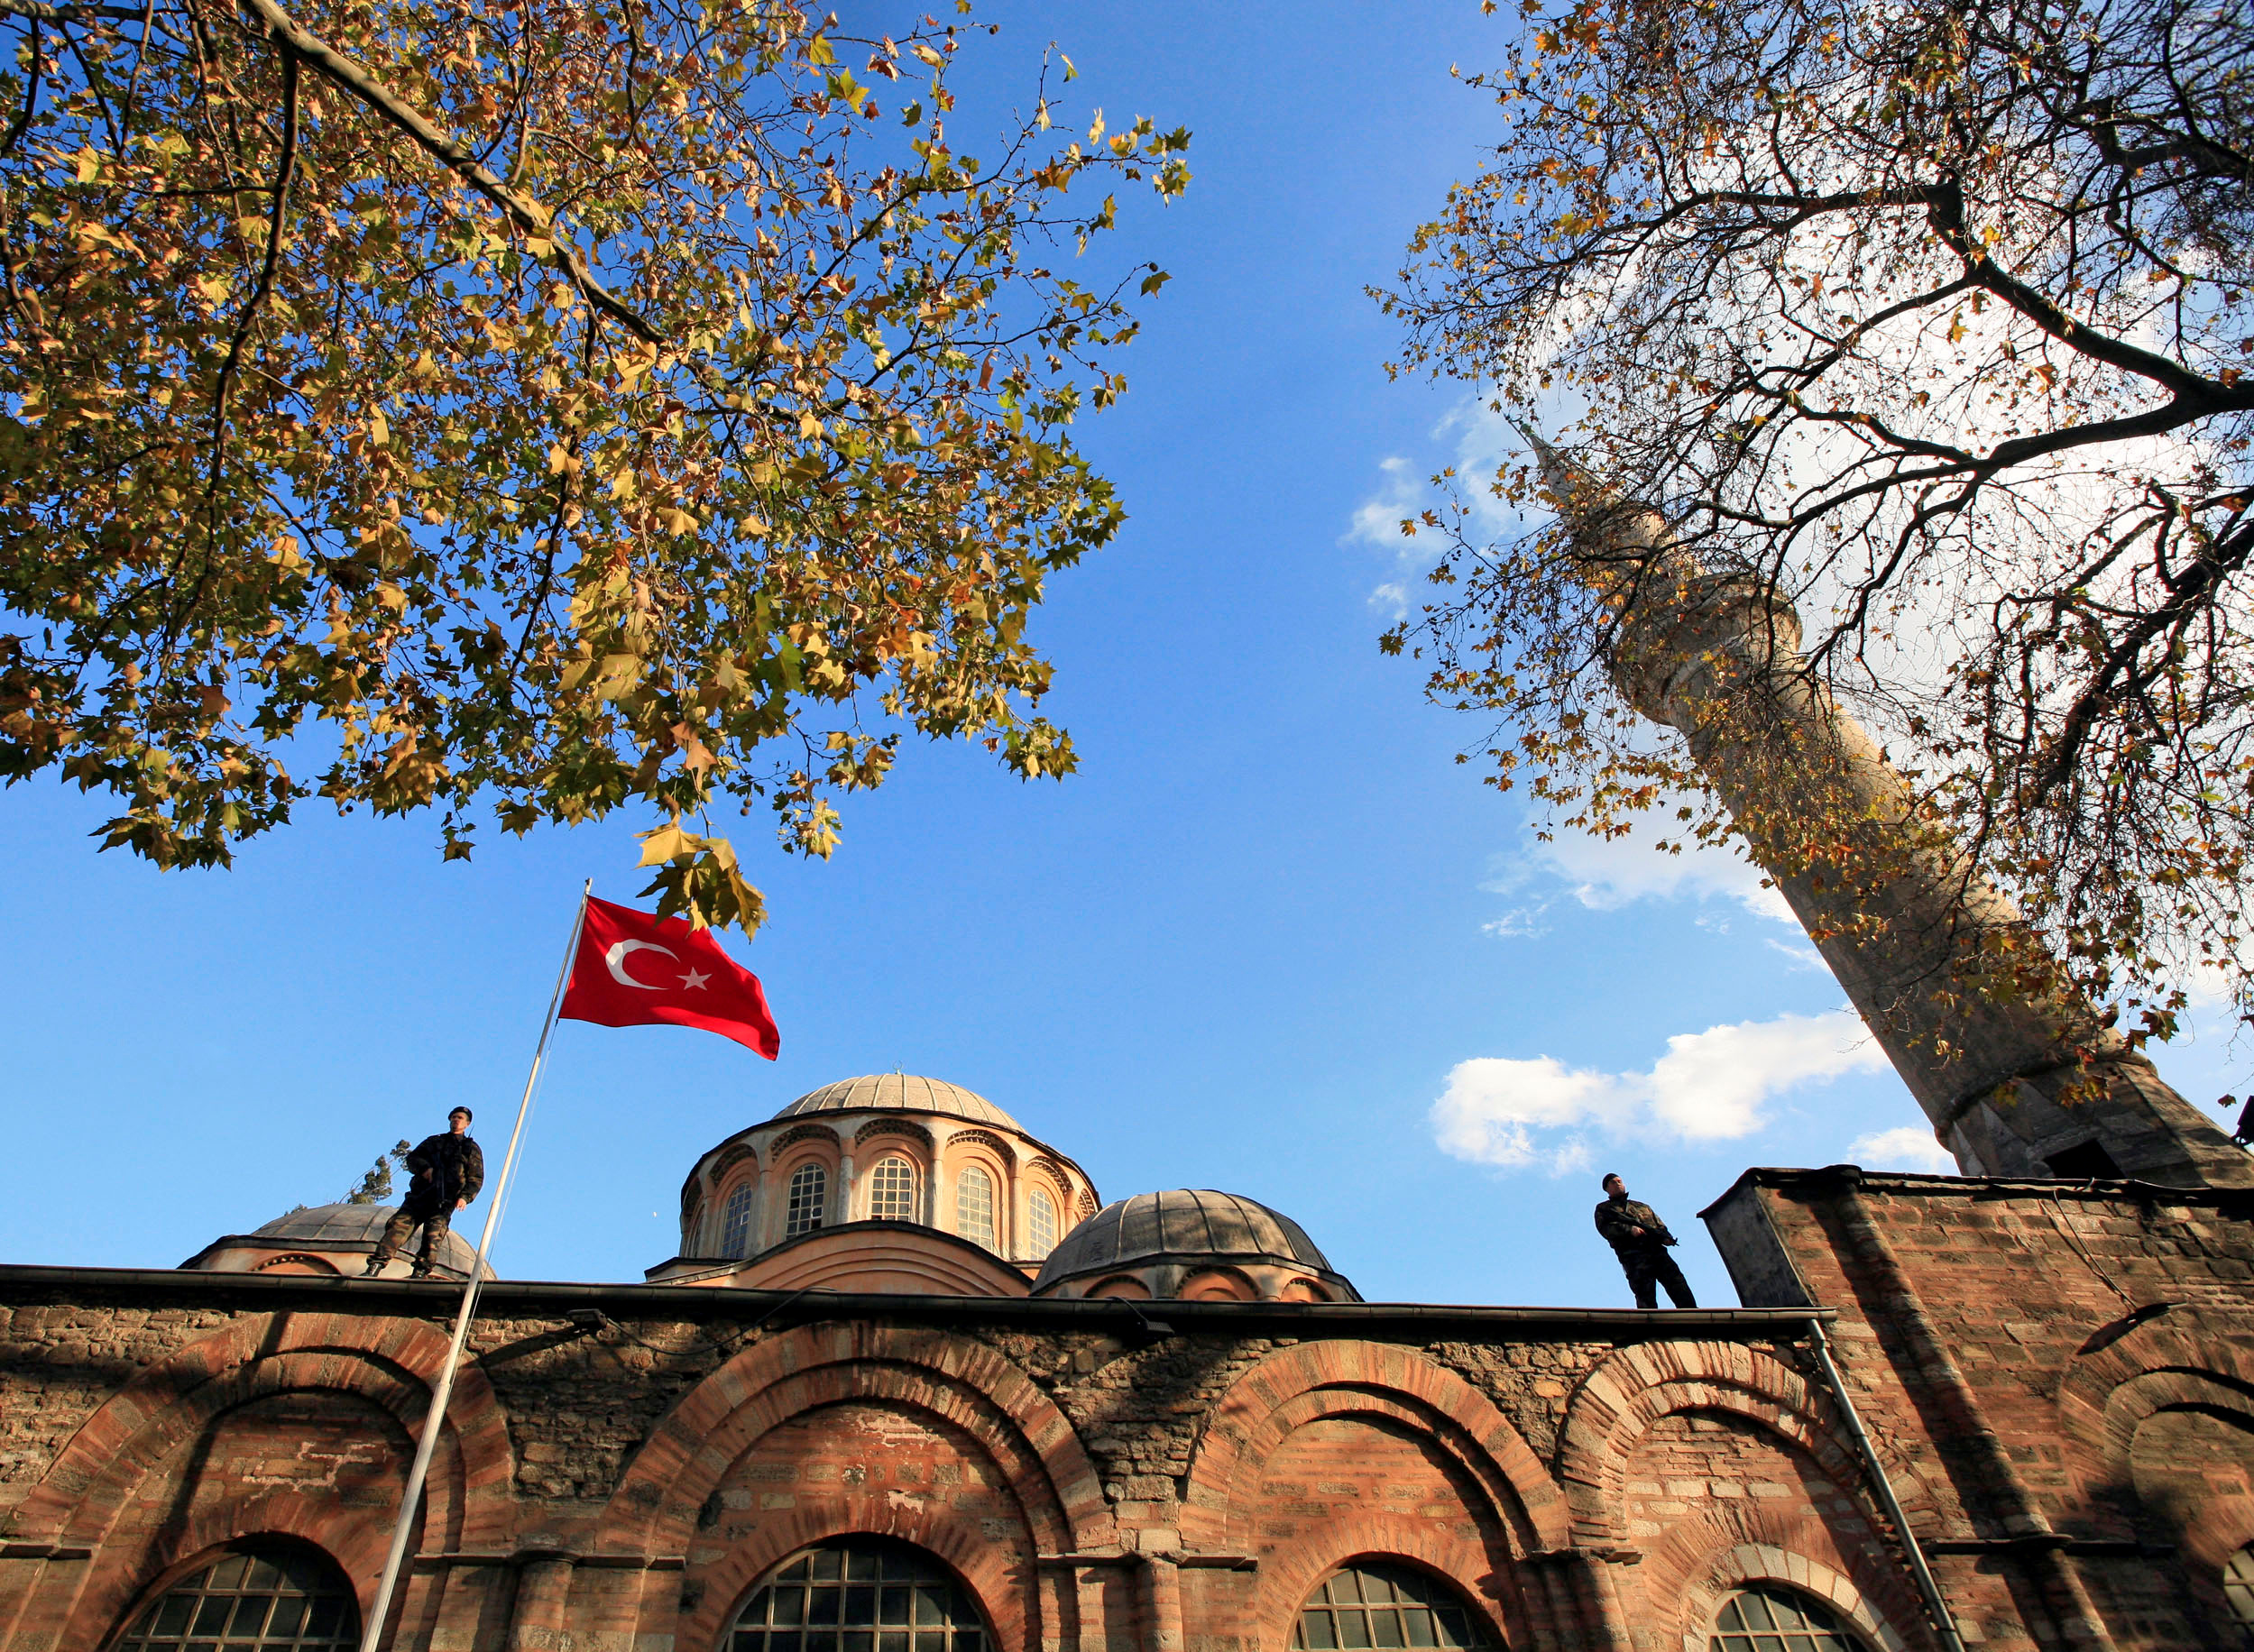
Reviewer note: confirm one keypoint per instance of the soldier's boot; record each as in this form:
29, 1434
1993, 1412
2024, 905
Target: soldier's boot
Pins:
374, 1270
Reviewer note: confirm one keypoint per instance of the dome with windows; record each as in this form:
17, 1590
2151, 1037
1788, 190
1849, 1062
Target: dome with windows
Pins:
890, 1182
1192, 1244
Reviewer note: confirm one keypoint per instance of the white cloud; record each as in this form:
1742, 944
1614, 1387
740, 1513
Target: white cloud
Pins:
1709, 1085
1390, 600
1606, 874
1803, 957
1905, 1148
1401, 493
1517, 923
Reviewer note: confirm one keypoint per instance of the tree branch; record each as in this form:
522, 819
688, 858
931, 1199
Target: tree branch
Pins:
527, 215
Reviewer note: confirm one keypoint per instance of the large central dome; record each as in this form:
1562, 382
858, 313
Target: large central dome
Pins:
900, 1093
887, 1182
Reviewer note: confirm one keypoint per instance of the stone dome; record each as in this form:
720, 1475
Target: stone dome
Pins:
331, 1231
1183, 1225
900, 1093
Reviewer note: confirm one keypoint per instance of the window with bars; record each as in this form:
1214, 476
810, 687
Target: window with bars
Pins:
864, 1594
974, 1206
1040, 1223
809, 1191
1763, 1619
2238, 1590
892, 1190
735, 1222
252, 1601
1375, 1605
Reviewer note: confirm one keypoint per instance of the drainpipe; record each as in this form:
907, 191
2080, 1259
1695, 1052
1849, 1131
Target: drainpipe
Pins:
1937, 1607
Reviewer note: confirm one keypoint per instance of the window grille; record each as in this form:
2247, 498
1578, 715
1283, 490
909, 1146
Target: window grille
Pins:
1762, 1618
892, 1192
2238, 1589
809, 1190
1041, 1219
252, 1601
735, 1223
1373, 1605
974, 1206
864, 1594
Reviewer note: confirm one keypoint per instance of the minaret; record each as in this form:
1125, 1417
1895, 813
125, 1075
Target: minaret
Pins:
2002, 1050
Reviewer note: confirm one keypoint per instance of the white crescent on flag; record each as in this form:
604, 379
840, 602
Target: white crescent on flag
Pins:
616, 958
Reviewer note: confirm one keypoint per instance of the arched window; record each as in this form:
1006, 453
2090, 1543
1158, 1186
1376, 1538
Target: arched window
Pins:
1762, 1617
809, 1191
862, 1594
1372, 1604
974, 1206
2238, 1589
892, 1190
1040, 1223
735, 1222
257, 1599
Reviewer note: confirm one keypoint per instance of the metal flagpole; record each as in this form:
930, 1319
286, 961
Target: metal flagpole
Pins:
435, 1422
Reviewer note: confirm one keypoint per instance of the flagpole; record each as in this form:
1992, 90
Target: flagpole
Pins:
434, 1423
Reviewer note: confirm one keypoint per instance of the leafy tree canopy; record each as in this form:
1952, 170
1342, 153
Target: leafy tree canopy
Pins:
523, 408
1933, 322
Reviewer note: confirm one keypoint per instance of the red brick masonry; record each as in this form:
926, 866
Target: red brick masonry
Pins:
2059, 1380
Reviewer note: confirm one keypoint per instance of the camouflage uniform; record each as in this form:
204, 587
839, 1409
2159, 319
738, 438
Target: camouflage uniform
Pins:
1644, 1256
446, 1168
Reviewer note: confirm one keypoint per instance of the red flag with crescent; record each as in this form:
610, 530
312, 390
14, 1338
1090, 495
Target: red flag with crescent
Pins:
636, 971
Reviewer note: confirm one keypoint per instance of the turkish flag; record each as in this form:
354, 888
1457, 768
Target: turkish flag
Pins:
636, 971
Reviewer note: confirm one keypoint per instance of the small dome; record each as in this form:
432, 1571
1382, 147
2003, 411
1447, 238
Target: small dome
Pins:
348, 1228
900, 1093
1183, 1223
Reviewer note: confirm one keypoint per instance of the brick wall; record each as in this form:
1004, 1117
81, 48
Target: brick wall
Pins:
2061, 1389
2064, 1372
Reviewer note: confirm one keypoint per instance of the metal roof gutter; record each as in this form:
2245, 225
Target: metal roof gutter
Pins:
522, 1296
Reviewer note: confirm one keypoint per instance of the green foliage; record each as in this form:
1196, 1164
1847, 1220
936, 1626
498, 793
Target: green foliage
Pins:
375, 1186
526, 410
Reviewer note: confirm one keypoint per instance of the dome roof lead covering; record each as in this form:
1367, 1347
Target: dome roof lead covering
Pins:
900, 1093
1180, 1221
349, 1226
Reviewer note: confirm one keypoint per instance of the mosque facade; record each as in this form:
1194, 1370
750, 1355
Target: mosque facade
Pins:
910, 1385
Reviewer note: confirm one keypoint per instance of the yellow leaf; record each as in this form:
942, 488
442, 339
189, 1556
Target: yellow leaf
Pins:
662, 843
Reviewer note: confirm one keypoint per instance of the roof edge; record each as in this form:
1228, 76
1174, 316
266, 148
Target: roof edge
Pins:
1836, 1178
702, 1302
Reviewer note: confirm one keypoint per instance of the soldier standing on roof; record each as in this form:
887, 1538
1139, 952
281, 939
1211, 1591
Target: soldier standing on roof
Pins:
449, 1172
1640, 1240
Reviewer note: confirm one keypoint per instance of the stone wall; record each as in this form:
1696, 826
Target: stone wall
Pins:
2059, 1381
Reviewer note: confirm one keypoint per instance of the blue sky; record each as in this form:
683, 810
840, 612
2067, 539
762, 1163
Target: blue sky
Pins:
1249, 946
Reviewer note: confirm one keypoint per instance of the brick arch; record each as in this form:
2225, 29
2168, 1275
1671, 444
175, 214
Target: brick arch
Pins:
1464, 1566
1010, 1605
907, 1129
354, 1540
962, 1382
1631, 1388
727, 1159
1297, 1385
2153, 1367
987, 1139
796, 1133
390, 1363
1761, 1562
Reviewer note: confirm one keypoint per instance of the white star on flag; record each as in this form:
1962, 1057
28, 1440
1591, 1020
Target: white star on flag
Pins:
695, 980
